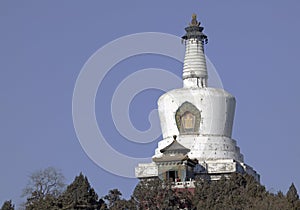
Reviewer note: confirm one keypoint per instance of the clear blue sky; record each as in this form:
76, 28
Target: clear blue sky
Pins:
44, 44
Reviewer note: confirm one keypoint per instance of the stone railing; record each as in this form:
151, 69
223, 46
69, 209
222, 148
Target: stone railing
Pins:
188, 184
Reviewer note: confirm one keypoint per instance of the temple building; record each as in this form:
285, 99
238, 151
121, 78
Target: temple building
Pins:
196, 122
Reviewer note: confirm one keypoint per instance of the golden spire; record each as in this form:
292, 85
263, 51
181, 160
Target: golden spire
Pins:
194, 21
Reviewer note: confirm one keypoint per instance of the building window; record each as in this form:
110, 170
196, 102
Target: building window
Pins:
172, 175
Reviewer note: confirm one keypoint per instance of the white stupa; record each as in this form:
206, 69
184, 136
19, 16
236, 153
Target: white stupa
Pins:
201, 117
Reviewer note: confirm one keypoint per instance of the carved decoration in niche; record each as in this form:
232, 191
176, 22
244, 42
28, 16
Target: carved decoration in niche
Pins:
187, 119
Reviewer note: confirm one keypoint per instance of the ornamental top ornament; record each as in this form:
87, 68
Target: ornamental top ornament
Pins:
194, 31
194, 21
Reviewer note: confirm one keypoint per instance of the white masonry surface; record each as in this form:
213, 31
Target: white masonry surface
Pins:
213, 145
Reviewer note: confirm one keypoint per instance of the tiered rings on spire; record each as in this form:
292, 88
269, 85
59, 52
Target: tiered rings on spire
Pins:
194, 68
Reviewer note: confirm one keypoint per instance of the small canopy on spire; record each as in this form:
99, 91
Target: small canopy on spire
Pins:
194, 30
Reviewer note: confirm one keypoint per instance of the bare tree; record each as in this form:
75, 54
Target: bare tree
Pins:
42, 183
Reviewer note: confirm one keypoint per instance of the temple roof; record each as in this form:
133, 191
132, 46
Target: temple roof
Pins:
171, 158
175, 147
174, 152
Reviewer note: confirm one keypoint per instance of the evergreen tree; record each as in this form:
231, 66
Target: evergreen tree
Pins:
239, 191
80, 195
7, 205
233, 192
293, 197
47, 202
123, 204
155, 194
113, 197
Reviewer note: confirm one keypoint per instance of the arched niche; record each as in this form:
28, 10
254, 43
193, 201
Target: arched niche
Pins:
188, 119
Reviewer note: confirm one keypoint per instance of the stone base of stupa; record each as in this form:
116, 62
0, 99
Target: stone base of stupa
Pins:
210, 169
215, 169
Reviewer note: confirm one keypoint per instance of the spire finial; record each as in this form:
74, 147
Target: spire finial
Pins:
194, 30
194, 21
